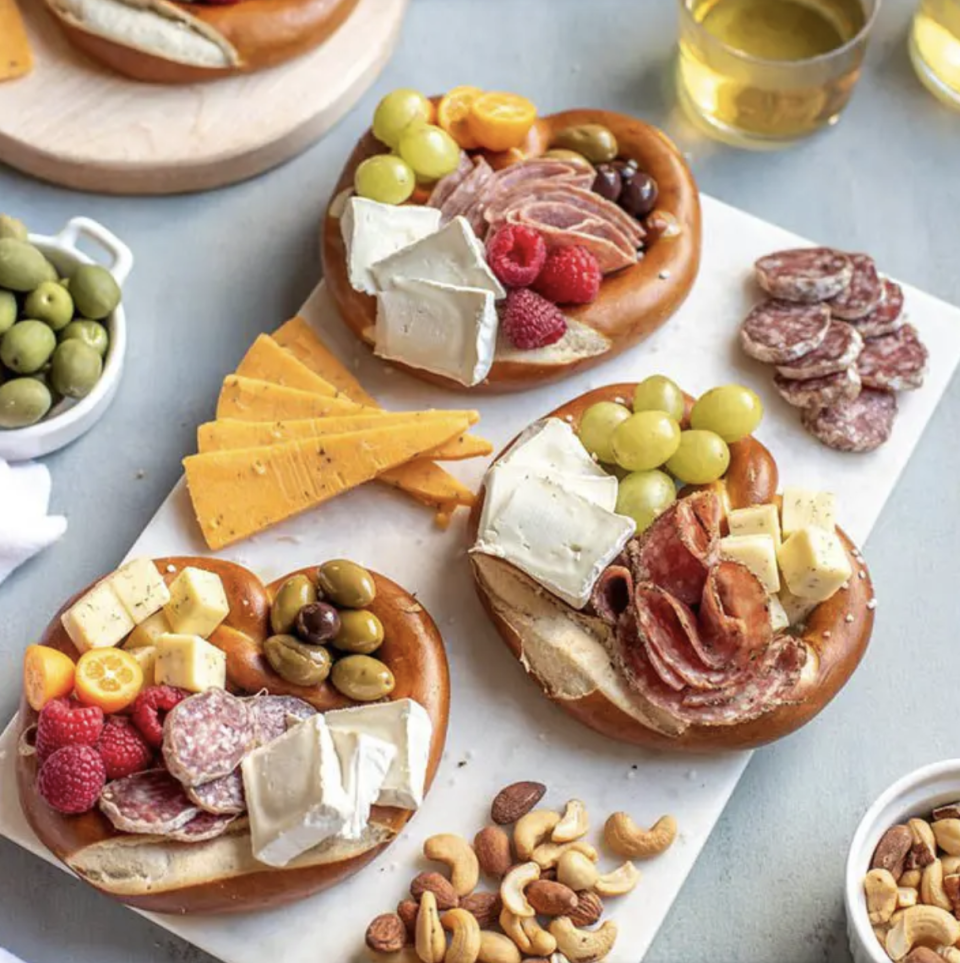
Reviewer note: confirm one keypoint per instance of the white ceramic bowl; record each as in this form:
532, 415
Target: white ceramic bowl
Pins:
914, 795
68, 420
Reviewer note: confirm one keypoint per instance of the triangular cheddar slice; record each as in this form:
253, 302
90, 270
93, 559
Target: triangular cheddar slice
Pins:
236, 494
267, 361
246, 399
429, 484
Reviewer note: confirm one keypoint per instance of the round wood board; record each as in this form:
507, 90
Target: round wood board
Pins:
75, 123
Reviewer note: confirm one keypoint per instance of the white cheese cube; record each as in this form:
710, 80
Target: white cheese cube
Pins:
796, 609
141, 588
803, 508
405, 725
294, 791
198, 602
758, 553
98, 620
450, 331
814, 563
779, 619
756, 520
453, 255
372, 231
364, 764
146, 655
148, 631
190, 662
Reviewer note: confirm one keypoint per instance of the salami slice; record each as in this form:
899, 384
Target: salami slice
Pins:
150, 802
862, 294
840, 349
206, 736
734, 614
221, 797
887, 316
819, 392
778, 332
270, 714
862, 424
806, 274
895, 362
612, 594
202, 827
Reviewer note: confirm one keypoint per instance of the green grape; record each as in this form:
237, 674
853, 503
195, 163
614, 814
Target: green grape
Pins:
645, 440
597, 426
733, 412
658, 393
384, 178
702, 457
396, 112
430, 151
645, 495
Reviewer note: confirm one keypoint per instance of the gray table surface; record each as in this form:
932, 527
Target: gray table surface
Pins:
213, 270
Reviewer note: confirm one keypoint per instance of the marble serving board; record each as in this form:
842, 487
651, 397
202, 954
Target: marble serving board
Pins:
501, 727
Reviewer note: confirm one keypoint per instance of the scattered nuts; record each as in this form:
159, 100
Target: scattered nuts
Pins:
513, 886
547, 855
577, 871
950, 811
911, 877
588, 910
492, 846
921, 924
430, 942
931, 887
551, 899
497, 948
511, 925
575, 823
459, 856
880, 889
407, 910
906, 896
387, 934
947, 833
923, 954
620, 882
924, 849
485, 908
532, 829
465, 936
625, 838
440, 886
892, 850
515, 801
542, 942
585, 946
951, 865
951, 889
950, 953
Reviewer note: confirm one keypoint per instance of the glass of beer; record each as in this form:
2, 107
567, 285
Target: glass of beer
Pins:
763, 73
935, 47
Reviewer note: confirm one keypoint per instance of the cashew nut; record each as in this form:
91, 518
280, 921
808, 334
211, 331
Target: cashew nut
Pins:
947, 834
929, 925
512, 889
465, 940
626, 838
533, 829
911, 877
510, 925
577, 871
459, 856
574, 825
880, 932
931, 887
951, 865
618, 883
497, 948
430, 942
907, 896
923, 840
950, 953
542, 943
584, 946
880, 889
547, 855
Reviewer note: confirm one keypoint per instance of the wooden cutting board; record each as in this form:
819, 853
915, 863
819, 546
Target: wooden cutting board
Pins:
98, 131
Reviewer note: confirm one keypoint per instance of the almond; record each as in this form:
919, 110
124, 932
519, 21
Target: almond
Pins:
551, 899
387, 934
588, 910
515, 801
407, 911
892, 850
440, 886
484, 907
492, 846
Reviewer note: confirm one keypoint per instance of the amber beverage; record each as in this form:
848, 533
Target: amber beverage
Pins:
763, 73
935, 47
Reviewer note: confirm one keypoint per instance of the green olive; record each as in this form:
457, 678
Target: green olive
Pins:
27, 346
561, 153
91, 333
346, 584
294, 594
594, 141
76, 369
50, 303
8, 311
11, 227
360, 632
95, 291
23, 402
22, 266
362, 679
295, 661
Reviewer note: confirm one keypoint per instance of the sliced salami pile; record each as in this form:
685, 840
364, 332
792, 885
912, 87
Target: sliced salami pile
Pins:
835, 330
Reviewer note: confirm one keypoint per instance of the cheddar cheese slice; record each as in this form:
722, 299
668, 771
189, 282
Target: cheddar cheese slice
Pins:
236, 494
246, 399
267, 361
16, 58
429, 484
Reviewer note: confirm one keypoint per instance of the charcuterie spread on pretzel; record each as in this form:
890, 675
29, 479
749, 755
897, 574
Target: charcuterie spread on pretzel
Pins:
192, 741
476, 244
720, 615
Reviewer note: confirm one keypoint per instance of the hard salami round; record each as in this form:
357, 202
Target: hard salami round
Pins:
819, 392
896, 362
839, 350
147, 802
206, 736
807, 274
270, 714
862, 424
778, 332
202, 827
862, 294
887, 316
221, 797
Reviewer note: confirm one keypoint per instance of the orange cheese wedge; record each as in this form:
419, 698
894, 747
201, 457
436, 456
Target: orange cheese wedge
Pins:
16, 58
267, 361
247, 399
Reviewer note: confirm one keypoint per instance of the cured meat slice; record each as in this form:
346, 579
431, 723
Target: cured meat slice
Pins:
206, 736
887, 317
839, 349
819, 392
862, 294
202, 827
806, 274
862, 424
634, 661
613, 593
734, 615
468, 192
896, 362
447, 185
270, 714
778, 332
222, 797
150, 802
540, 168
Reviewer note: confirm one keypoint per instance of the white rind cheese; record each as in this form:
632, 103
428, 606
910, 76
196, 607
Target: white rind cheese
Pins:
803, 509
756, 520
140, 588
814, 563
758, 553
198, 602
189, 662
98, 620
364, 764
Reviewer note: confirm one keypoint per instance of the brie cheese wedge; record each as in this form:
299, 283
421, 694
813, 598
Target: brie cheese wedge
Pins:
364, 764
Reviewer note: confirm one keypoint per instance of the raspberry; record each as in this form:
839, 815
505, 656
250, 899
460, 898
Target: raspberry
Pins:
530, 321
71, 779
123, 750
151, 707
571, 275
516, 255
64, 722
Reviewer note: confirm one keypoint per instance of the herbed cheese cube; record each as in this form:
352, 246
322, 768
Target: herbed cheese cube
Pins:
198, 602
141, 588
146, 655
190, 662
803, 508
758, 553
148, 631
796, 609
778, 615
98, 621
756, 520
814, 563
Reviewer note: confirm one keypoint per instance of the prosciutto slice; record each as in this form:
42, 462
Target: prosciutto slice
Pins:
447, 185
613, 593
734, 615
542, 168
467, 193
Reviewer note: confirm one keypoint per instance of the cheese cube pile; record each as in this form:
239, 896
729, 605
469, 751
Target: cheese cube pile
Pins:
189, 662
198, 602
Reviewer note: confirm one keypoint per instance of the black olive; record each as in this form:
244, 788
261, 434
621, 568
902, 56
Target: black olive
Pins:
317, 623
639, 195
607, 183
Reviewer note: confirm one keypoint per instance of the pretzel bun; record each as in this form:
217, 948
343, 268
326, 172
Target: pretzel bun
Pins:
632, 303
568, 653
165, 42
221, 876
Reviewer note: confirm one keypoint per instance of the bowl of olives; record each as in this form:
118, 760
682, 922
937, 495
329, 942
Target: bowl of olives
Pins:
62, 334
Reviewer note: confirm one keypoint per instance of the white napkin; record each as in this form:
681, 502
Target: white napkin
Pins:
25, 526
6, 957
